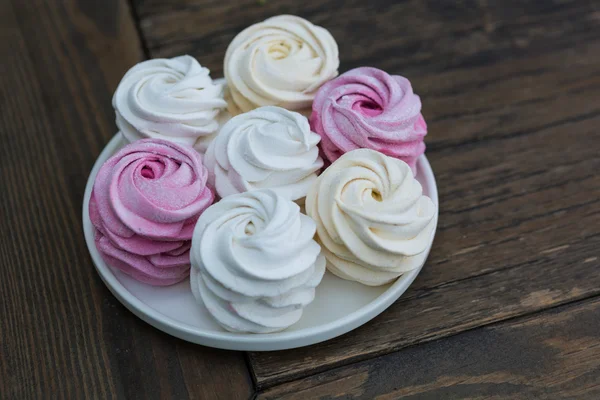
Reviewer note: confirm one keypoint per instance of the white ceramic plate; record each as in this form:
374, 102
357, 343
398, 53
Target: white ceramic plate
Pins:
339, 306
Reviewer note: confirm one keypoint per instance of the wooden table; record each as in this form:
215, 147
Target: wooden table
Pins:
508, 304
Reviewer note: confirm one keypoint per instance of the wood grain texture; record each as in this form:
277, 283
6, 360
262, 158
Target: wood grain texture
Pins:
400, 36
514, 144
510, 94
504, 96
551, 355
62, 334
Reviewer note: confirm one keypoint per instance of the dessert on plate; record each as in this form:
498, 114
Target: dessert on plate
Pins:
266, 148
173, 99
144, 206
373, 221
255, 264
281, 61
253, 258
367, 108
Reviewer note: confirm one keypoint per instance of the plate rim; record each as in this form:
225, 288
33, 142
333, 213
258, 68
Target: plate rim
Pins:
244, 341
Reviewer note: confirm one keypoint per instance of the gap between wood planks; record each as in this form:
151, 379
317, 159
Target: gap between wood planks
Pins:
489, 44
550, 354
290, 365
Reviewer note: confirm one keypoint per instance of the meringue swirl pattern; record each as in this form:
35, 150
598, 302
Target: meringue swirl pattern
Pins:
255, 264
269, 147
144, 205
173, 99
373, 221
367, 108
281, 61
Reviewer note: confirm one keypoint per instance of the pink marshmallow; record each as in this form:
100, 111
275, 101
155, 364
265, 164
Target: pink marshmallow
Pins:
145, 203
367, 108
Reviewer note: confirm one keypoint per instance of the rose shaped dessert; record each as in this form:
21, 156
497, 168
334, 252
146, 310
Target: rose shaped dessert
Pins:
373, 222
269, 147
144, 205
255, 264
173, 99
367, 108
281, 61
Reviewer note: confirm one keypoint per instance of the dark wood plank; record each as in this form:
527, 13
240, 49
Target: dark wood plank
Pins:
474, 64
445, 311
551, 355
408, 37
62, 334
505, 87
515, 249
516, 169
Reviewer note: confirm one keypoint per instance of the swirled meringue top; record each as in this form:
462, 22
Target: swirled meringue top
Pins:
367, 108
255, 264
173, 99
281, 61
144, 205
269, 147
373, 221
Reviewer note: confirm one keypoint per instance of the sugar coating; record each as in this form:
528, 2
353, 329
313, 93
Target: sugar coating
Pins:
144, 205
368, 108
